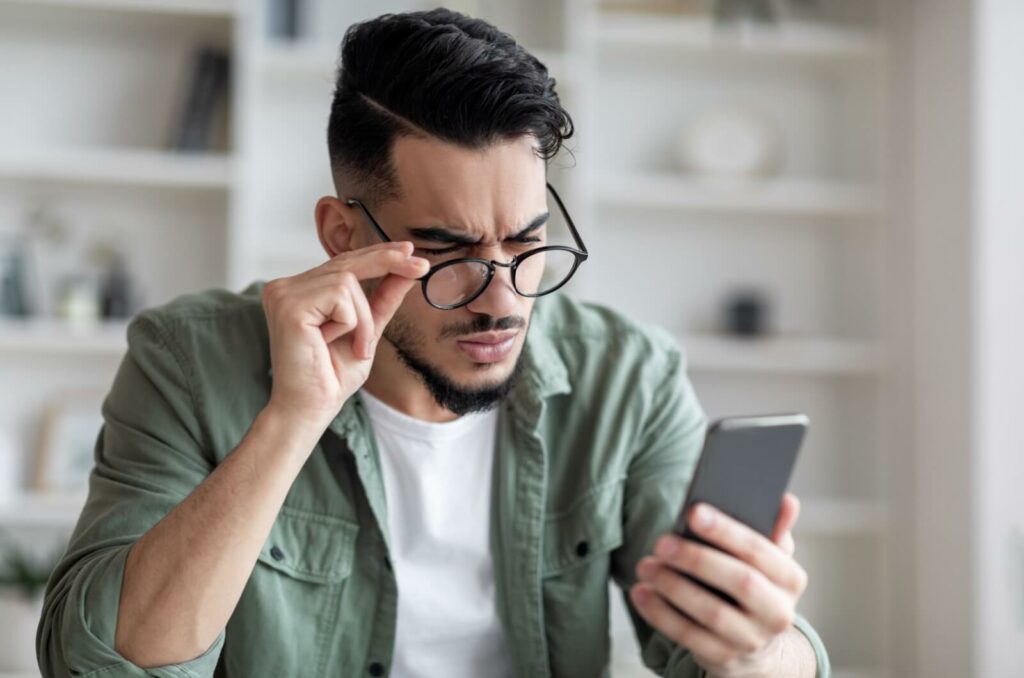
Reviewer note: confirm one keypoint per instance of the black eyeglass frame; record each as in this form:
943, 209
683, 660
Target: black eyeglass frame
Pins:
580, 255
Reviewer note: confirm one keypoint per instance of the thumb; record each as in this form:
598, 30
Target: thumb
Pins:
386, 299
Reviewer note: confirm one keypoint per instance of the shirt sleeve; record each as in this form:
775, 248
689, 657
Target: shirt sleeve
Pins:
148, 457
660, 471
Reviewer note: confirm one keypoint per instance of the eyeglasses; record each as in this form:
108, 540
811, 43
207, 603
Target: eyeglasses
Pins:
536, 272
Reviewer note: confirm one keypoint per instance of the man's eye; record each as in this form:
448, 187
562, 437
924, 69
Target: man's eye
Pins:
527, 239
437, 252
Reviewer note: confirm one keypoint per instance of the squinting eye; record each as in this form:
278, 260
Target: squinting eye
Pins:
436, 252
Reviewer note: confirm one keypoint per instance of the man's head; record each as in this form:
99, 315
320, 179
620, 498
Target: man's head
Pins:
442, 126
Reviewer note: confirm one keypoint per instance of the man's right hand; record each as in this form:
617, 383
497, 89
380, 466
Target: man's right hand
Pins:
324, 330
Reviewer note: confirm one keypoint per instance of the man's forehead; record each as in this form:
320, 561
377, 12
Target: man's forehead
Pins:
502, 184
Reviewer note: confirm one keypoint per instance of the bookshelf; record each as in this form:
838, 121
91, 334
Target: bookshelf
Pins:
814, 236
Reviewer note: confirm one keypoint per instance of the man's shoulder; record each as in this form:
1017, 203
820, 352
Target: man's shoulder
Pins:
215, 303
584, 329
209, 328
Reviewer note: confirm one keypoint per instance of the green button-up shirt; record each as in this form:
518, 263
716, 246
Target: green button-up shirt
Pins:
594, 450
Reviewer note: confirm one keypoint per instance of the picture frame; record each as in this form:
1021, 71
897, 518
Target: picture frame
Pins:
70, 427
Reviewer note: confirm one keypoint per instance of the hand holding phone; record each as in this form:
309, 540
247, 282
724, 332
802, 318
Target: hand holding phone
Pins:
743, 471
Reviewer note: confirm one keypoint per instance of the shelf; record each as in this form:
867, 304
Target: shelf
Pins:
780, 355
840, 517
39, 509
123, 167
704, 37
54, 336
794, 196
214, 8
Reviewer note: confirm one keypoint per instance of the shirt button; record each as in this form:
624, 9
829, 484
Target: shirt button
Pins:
582, 549
376, 669
276, 553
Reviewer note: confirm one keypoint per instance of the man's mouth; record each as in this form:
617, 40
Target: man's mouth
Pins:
487, 347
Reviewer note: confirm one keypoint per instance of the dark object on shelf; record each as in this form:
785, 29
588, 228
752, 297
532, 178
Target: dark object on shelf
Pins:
732, 10
116, 291
206, 93
13, 287
746, 314
283, 19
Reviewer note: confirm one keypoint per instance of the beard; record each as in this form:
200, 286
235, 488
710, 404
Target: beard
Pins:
456, 398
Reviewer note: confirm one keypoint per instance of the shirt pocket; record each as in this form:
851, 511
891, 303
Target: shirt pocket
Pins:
287, 618
575, 566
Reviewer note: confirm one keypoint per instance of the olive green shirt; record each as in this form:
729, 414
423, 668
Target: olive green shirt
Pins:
594, 450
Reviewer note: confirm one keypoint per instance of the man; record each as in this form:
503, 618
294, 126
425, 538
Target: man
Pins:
336, 474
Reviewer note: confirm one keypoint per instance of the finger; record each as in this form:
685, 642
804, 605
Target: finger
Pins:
787, 544
363, 336
336, 305
748, 585
378, 261
789, 511
713, 613
386, 299
660, 615
746, 544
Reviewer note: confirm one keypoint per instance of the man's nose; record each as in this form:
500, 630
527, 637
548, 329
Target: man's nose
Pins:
499, 299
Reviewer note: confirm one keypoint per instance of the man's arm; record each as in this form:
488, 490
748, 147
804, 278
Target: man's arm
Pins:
183, 578
659, 474
181, 536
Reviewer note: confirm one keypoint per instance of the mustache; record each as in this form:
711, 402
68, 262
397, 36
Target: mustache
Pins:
483, 323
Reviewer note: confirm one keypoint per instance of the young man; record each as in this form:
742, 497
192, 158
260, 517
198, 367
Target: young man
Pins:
348, 472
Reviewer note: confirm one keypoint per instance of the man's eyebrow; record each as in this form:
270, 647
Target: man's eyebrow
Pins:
442, 234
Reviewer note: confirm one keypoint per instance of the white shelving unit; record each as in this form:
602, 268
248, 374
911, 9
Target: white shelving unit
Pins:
811, 236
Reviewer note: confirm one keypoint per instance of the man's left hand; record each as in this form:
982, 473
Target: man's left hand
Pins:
760, 574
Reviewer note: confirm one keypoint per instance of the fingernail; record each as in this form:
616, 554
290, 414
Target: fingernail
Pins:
666, 548
702, 517
641, 594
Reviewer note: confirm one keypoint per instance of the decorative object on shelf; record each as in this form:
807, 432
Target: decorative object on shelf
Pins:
116, 286
730, 141
207, 92
78, 299
14, 299
71, 425
22, 582
283, 19
746, 313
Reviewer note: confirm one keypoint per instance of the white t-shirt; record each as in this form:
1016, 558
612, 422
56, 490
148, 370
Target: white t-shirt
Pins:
437, 483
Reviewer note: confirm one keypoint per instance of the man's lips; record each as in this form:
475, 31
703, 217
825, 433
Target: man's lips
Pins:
488, 347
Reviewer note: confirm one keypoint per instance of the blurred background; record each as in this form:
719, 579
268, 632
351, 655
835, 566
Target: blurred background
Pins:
820, 197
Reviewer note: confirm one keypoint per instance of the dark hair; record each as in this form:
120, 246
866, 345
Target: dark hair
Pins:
439, 73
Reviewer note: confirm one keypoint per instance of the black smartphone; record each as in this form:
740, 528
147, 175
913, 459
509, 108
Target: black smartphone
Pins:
744, 470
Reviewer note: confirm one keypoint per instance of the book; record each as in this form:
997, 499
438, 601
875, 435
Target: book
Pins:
207, 91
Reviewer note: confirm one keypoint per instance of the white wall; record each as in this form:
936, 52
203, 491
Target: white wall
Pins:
998, 327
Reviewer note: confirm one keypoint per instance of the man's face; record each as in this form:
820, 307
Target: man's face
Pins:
460, 203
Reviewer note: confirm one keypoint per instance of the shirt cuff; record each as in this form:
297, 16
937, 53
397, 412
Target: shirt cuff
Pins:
820, 653
90, 628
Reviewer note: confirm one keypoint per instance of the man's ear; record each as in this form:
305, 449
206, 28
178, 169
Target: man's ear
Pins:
334, 221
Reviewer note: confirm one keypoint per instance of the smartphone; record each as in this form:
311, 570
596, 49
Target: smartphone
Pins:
744, 470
